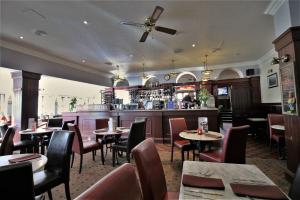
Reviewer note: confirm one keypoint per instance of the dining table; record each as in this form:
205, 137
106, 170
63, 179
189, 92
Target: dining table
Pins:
37, 163
229, 174
201, 139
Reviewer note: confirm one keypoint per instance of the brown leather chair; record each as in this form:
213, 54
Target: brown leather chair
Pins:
178, 125
233, 149
151, 173
17, 181
295, 189
120, 184
136, 136
65, 125
3, 129
7, 145
276, 135
81, 147
57, 169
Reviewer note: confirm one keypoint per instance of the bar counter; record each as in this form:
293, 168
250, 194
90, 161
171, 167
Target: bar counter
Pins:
157, 123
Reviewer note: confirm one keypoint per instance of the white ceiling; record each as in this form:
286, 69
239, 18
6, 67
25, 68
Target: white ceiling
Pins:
246, 32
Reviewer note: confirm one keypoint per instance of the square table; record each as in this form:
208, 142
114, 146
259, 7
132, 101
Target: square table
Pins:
229, 173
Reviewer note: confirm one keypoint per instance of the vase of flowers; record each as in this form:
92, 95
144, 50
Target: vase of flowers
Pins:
72, 104
203, 97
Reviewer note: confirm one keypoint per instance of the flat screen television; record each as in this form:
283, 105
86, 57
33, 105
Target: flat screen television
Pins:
222, 91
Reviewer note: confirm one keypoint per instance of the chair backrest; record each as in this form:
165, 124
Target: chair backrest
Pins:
142, 119
101, 123
3, 129
150, 169
136, 135
7, 145
234, 146
55, 122
177, 125
77, 146
17, 181
274, 119
59, 153
65, 125
295, 188
120, 184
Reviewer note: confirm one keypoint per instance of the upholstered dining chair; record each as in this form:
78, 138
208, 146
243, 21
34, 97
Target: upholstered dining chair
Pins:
57, 169
65, 124
276, 135
178, 125
82, 147
136, 136
124, 137
11, 187
7, 145
3, 129
120, 184
151, 172
295, 189
233, 149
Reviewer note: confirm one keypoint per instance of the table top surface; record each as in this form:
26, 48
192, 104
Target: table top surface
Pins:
278, 127
105, 131
229, 173
37, 163
203, 137
40, 130
257, 119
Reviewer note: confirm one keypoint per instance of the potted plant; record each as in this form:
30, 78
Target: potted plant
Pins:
72, 104
203, 97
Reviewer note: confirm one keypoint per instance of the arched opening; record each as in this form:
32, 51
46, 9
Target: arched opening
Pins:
151, 82
121, 82
230, 74
186, 77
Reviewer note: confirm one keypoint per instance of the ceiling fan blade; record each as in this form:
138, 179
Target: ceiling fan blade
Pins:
156, 13
139, 25
165, 30
144, 36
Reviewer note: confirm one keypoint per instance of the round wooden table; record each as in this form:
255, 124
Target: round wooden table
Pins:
39, 131
201, 140
37, 163
105, 132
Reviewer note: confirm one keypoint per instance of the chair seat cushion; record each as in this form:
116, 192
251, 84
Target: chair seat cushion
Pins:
24, 144
171, 196
44, 180
211, 156
89, 146
120, 146
181, 143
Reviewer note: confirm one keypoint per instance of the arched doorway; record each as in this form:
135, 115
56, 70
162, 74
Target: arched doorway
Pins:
186, 77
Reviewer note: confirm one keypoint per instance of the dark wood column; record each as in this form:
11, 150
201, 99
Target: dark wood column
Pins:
288, 44
26, 91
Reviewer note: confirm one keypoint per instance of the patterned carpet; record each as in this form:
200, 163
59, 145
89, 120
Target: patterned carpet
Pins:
258, 153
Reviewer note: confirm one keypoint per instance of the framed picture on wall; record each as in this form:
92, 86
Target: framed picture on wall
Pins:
272, 80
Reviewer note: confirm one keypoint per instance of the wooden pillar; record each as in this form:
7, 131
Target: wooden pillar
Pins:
26, 91
288, 45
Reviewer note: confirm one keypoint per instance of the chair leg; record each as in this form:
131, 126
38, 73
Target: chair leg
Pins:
67, 190
80, 167
114, 156
172, 150
128, 157
193, 154
188, 154
50, 194
73, 156
182, 156
93, 152
102, 155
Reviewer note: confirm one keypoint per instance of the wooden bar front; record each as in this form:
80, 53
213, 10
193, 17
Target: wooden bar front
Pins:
157, 120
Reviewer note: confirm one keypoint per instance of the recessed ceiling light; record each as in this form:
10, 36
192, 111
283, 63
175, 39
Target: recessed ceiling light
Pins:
193, 45
21, 37
130, 55
85, 22
83, 61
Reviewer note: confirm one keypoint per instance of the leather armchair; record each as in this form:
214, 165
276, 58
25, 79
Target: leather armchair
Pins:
65, 125
120, 184
7, 145
82, 147
136, 136
57, 169
233, 149
178, 125
17, 181
151, 173
276, 135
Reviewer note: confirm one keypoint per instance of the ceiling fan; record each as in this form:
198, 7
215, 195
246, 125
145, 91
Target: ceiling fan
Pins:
149, 24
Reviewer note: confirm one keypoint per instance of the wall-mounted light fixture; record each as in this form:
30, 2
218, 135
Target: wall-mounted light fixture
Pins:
283, 59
